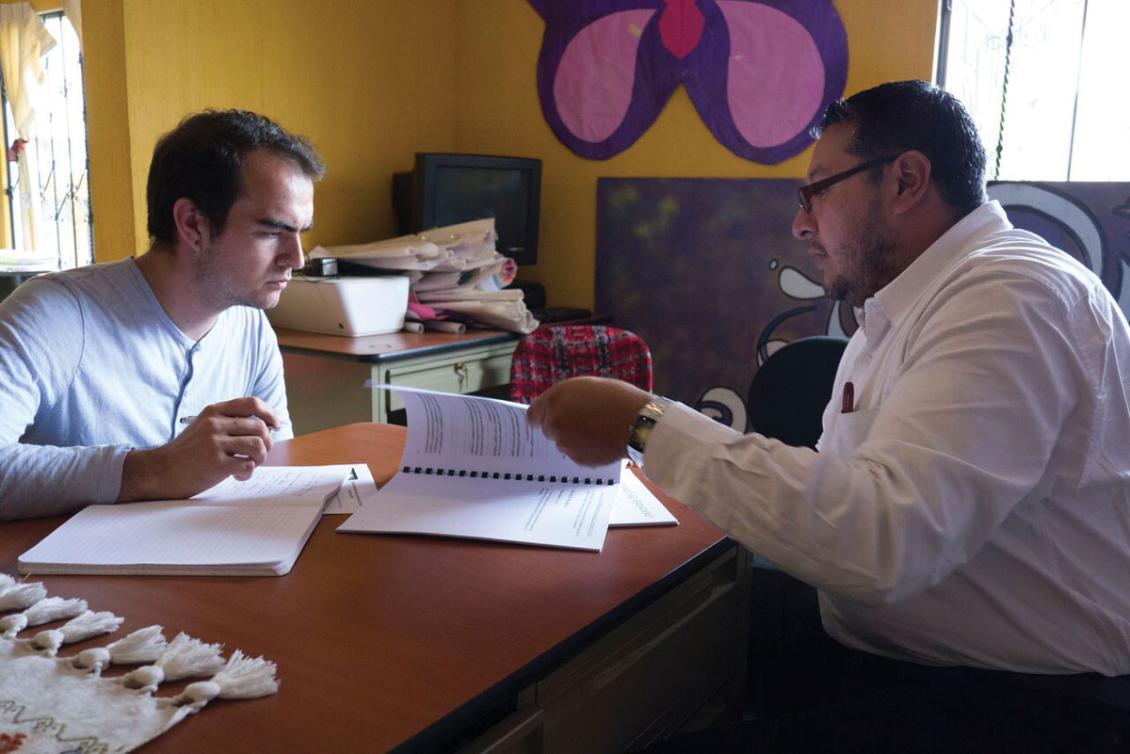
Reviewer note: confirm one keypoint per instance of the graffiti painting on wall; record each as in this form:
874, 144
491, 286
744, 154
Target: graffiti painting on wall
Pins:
708, 273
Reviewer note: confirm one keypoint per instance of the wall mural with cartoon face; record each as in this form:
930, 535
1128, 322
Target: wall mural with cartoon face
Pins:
707, 272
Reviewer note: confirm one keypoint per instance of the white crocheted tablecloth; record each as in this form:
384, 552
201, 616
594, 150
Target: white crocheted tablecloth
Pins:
57, 705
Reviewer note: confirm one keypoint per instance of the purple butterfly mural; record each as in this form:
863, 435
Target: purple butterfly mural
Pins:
759, 73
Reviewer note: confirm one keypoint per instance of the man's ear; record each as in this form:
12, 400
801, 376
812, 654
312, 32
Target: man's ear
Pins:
911, 173
193, 230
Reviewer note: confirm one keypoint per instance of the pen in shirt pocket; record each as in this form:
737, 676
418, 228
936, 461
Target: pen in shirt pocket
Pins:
191, 419
848, 405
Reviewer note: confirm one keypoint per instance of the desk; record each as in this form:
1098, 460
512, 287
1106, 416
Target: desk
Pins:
326, 374
427, 644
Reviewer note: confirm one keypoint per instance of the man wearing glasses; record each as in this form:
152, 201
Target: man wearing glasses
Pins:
967, 517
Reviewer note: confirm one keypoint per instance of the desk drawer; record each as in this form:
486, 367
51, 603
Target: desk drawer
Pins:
466, 372
619, 693
644, 679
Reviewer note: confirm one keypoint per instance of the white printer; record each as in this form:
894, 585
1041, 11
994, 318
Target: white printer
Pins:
353, 306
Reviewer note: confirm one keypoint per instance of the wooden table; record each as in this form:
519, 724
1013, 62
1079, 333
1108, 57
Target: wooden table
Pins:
428, 644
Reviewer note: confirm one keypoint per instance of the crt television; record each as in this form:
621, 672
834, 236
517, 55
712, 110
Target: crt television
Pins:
446, 188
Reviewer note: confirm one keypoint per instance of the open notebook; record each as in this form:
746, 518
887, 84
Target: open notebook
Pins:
252, 528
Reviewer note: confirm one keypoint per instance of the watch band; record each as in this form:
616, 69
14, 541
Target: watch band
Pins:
645, 422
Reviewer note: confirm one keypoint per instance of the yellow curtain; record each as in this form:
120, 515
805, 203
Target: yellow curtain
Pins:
23, 41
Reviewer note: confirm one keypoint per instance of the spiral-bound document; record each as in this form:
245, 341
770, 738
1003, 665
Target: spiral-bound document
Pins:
473, 467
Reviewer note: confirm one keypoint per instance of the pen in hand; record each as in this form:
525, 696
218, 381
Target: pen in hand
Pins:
191, 419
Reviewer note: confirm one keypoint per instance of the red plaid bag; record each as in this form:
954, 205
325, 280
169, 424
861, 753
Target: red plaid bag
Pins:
552, 354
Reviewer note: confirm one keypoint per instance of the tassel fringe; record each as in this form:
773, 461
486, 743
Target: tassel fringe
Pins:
143, 645
240, 677
89, 624
146, 678
54, 608
48, 641
21, 596
186, 657
10, 625
246, 677
93, 659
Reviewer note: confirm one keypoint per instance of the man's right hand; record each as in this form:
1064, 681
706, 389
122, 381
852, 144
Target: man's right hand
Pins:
226, 439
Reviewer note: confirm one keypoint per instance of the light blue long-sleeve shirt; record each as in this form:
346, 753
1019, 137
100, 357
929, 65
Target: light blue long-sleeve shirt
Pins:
92, 367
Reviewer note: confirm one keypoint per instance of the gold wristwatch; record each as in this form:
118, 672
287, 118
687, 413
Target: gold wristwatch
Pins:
642, 427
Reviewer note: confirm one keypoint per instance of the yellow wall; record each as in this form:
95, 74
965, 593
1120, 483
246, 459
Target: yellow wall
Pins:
373, 81
369, 81
500, 114
107, 130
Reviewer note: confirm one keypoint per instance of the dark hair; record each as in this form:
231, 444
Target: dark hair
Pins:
202, 160
891, 118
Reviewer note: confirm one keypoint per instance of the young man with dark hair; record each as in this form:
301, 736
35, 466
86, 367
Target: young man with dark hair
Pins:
969, 505
157, 377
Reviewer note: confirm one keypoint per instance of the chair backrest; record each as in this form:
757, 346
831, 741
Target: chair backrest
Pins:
791, 389
552, 354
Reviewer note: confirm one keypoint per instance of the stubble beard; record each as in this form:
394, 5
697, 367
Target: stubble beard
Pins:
215, 284
871, 265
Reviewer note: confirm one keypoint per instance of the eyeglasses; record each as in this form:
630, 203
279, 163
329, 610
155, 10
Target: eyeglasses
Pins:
805, 193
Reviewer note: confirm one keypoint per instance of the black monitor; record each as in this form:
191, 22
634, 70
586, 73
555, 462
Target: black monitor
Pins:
447, 188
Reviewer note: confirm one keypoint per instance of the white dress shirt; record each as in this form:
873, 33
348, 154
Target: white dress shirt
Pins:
974, 508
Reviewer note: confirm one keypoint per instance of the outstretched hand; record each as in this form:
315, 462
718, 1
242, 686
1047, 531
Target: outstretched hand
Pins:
589, 418
226, 439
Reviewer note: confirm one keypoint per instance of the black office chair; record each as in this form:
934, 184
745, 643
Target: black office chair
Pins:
789, 392
786, 401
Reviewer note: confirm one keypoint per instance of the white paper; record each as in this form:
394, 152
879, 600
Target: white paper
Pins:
485, 435
358, 486
555, 515
256, 527
279, 485
636, 506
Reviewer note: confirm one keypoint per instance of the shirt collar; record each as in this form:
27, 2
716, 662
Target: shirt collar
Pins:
896, 298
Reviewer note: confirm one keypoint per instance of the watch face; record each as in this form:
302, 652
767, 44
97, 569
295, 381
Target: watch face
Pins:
641, 430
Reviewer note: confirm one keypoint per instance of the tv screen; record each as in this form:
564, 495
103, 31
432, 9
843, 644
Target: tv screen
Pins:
452, 188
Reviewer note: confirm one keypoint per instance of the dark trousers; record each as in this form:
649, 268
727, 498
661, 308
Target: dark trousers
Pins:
808, 693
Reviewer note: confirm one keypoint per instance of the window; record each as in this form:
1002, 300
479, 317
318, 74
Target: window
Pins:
59, 144
1043, 80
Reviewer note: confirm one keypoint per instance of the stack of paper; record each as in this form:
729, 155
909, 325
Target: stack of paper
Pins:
456, 274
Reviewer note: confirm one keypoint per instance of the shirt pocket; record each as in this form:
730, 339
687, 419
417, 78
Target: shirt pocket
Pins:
848, 432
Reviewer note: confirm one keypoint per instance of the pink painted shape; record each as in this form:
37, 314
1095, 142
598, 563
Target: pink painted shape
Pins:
594, 81
776, 75
680, 27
